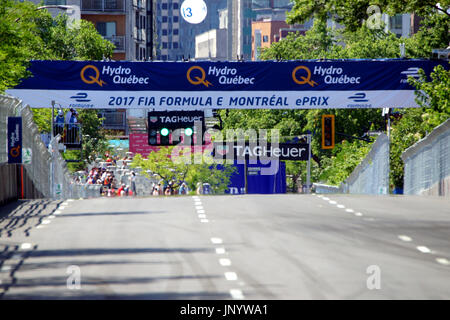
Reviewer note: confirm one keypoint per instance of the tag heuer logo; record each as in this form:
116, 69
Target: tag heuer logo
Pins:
153, 119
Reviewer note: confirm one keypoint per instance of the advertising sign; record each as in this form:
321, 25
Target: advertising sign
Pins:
260, 151
303, 84
14, 141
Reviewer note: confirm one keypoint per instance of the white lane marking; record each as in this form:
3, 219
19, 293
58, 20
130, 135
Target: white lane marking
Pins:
332, 202
358, 214
443, 261
5, 268
40, 227
349, 210
231, 276
220, 250
405, 238
202, 216
199, 207
46, 221
325, 198
195, 197
65, 203
236, 294
25, 246
423, 249
57, 212
200, 211
204, 220
225, 262
340, 206
52, 217
70, 200
216, 240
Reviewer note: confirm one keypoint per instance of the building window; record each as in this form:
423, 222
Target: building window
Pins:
106, 29
265, 38
175, 32
175, 5
396, 21
164, 19
175, 19
175, 45
164, 45
164, 32
164, 6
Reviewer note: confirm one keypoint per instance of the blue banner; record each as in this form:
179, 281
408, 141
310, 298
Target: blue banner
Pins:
14, 136
215, 85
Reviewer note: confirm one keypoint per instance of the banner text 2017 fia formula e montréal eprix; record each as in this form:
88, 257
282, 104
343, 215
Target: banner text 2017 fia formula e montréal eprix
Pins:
301, 84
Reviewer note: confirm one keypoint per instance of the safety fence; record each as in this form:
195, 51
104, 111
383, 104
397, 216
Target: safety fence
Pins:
371, 176
427, 164
47, 170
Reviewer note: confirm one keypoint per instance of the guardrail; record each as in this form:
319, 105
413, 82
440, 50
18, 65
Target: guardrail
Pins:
427, 164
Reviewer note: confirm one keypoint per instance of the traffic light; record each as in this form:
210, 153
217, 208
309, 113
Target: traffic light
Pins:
328, 131
168, 128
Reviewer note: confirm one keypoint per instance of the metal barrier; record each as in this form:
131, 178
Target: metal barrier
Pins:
47, 170
371, 176
427, 164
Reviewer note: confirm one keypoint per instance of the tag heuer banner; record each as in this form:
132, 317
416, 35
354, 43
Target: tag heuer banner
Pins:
260, 151
301, 84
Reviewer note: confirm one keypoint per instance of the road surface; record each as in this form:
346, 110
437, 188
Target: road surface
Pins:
227, 247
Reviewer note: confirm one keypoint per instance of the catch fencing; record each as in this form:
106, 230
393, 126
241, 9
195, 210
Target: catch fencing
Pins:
47, 171
371, 176
427, 164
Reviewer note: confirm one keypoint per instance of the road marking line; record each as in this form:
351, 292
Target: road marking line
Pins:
40, 227
46, 221
349, 210
225, 262
340, 206
332, 202
405, 238
443, 261
199, 207
325, 198
202, 216
231, 276
358, 214
52, 217
236, 294
70, 200
423, 249
5, 268
57, 212
25, 246
195, 197
220, 250
204, 220
65, 203
216, 240
200, 211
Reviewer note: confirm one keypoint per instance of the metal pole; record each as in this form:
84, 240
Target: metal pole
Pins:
308, 166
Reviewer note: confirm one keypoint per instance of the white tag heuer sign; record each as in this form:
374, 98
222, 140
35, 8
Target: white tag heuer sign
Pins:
27, 155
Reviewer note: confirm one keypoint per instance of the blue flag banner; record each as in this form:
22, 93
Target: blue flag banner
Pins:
302, 84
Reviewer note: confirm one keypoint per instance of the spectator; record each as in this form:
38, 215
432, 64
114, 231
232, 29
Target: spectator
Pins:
133, 182
59, 124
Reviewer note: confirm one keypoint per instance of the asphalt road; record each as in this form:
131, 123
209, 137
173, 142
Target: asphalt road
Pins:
227, 247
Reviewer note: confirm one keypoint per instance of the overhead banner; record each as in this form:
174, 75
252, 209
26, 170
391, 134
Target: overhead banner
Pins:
260, 151
301, 84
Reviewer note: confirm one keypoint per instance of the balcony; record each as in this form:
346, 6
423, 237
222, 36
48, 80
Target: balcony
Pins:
118, 41
103, 5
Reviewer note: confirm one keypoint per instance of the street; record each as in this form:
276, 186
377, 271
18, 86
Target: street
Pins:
227, 247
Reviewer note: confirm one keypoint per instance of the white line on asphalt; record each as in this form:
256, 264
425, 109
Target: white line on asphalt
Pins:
423, 249
340, 206
325, 198
204, 220
443, 261
202, 216
70, 200
405, 238
220, 250
231, 276
195, 197
65, 203
61, 208
5, 268
236, 294
46, 221
40, 227
57, 212
52, 217
225, 262
216, 240
200, 211
358, 214
25, 246
332, 202
349, 210
199, 207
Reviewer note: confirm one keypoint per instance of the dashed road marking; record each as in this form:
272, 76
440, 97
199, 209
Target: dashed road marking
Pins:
443, 261
225, 262
25, 246
405, 238
52, 217
46, 221
325, 198
349, 210
340, 206
57, 212
216, 240
358, 214
231, 276
200, 211
423, 249
202, 216
199, 207
220, 250
5, 268
204, 220
236, 294
332, 202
